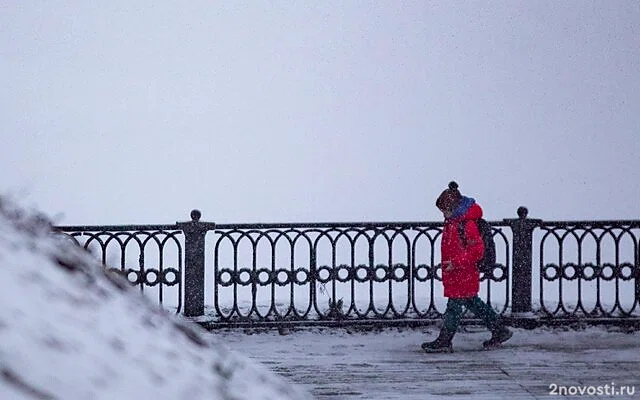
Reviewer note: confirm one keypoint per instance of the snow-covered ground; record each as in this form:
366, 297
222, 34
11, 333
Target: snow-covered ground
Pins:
389, 364
69, 330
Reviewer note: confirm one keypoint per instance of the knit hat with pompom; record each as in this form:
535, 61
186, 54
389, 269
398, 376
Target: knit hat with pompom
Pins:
449, 198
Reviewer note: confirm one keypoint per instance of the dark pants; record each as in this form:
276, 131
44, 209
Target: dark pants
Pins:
480, 309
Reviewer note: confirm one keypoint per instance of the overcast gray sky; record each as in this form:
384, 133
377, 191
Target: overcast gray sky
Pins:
138, 111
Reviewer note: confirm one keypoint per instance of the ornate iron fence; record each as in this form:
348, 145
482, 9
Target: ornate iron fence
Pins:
302, 272
149, 256
371, 273
589, 269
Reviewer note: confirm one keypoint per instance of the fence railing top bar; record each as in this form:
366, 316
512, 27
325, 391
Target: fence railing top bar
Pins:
116, 228
284, 225
258, 226
601, 223
402, 225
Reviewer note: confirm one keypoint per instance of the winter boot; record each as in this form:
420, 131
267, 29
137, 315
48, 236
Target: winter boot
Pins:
442, 344
499, 335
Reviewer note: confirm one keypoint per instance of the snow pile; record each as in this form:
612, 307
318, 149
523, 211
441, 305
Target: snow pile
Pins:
70, 330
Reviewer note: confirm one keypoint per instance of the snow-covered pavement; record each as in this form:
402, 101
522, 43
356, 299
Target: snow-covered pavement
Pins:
388, 364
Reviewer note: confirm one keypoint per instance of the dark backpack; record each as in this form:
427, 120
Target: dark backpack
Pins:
488, 261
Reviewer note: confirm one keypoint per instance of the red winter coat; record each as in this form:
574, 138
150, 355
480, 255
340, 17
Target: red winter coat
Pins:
463, 280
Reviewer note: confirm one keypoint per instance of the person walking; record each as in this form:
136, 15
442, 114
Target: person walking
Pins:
460, 275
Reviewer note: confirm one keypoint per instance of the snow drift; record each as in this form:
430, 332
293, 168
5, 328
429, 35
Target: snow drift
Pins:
71, 330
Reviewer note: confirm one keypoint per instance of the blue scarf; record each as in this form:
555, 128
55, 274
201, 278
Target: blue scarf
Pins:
463, 206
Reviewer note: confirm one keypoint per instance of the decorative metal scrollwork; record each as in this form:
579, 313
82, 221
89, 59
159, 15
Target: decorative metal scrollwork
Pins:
499, 273
588, 272
152, 276
592, 266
